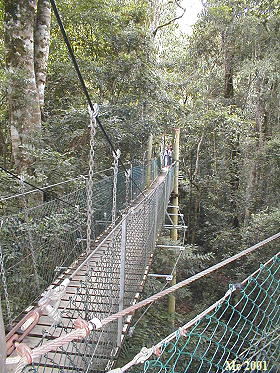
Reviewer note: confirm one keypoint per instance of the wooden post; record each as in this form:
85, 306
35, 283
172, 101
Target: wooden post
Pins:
149, 160
174, 211
2, 343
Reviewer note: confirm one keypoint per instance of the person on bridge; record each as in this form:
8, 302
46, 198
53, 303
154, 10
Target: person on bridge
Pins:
166, 158
170, 154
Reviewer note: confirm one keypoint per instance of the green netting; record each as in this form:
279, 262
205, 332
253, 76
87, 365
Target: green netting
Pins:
242, 329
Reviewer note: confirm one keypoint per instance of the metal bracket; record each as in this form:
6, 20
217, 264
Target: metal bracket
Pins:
171, 214
170, 226
167, 277
82, 239
171, 247
57, 269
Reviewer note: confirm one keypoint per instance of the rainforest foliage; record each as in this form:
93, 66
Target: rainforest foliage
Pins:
220, 85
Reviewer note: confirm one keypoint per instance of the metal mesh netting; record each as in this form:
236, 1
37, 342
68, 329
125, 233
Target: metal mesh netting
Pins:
114, 278
41, 242
241, 332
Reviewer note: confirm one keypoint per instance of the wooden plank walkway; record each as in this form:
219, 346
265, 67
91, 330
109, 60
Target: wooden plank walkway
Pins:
95, 295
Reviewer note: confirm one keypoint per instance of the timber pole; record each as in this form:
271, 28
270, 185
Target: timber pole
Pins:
149, 160
2, 343
174, 211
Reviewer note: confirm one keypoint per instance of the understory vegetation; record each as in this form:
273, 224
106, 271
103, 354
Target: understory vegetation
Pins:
220, 86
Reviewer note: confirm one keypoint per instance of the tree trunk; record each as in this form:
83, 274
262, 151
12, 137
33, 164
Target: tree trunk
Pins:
41, 47
254, 187
229, 92
23, 100
261, 112
234, 179
228, 47
228, 65
3, 148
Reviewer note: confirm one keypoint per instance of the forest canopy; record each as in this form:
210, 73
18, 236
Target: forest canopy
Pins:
219, 85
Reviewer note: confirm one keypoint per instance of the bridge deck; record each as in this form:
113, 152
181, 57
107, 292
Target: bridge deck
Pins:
94, 291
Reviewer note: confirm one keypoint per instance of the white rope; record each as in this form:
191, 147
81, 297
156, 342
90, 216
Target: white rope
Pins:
188, 281
182, 330
140, 358
164, 286
51, 299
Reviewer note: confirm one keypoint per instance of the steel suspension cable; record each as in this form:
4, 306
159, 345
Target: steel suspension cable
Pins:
84, 177
84, 87
32, 185
43, 188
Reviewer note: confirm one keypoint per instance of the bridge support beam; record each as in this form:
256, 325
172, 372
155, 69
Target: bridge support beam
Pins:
174, 215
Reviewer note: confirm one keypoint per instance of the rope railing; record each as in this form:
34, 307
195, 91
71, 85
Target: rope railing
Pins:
108, 323
98, 175
41, 242
102, 292
240, 330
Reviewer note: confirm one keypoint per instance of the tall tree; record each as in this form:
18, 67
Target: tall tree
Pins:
41, 48
231, 99
26, 66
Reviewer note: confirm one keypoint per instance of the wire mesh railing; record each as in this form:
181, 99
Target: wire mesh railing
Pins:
39, 243
103, 286
239, 332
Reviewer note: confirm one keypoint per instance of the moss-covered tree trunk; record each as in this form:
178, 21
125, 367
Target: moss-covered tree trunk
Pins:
23, 94
41, 47
228, 64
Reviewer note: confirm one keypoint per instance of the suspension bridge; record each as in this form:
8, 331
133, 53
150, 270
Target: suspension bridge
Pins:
84, 291
100, 281
73, 269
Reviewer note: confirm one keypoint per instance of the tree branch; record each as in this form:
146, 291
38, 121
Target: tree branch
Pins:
170, 21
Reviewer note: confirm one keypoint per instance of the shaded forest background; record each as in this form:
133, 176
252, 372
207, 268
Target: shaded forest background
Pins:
220, 85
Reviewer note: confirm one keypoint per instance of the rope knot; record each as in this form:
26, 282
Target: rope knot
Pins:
80, 323
25, 352
143, 355
182, 332
237, 286
157, 351
51, 299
